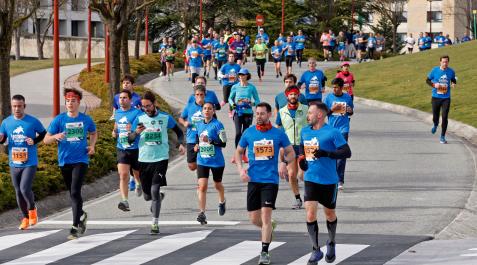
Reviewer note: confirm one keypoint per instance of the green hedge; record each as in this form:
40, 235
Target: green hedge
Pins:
48, 179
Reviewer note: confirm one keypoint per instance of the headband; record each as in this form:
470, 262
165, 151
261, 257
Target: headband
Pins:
71, 95
290, 90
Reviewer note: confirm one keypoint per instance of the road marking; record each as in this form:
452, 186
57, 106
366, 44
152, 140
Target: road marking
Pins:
69, 248
343, 252
112, 222
470, 254
155, 249
17, 239
237, 254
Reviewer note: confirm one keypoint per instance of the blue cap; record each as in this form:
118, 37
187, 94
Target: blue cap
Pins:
244, 71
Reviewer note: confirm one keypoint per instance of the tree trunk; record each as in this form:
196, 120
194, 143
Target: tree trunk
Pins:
39, 43
17, 43
137, 36
115, 59
394, 39
125, 69
5, 46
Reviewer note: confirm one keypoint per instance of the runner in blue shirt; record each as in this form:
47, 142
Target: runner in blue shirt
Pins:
207, 49
263, 142
314, 81
195, 57
126, 153
151, 129
263, 35
466, 38
281, 99
440, 40
341, 108
442, 78
23, 132
321, 145
289, 48
229, 76
190, 117
281, 39
210, 95
220, 54
428, 41
300, 46
211, 138
241, 100
70, 130
277, 53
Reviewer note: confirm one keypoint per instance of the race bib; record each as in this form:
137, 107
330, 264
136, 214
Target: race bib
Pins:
123, 139
239, 49
310, 148
231, 78
19, 155
442, 89
259, 53
195, 120
152, 137
342, 110
194, 54
346, 88
206, 150
74, 131
221, 52
263, 149
314, 88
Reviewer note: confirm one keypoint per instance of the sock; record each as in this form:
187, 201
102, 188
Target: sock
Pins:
155, 221
265, 247
332, 229
312, 228
298, 197
125, 198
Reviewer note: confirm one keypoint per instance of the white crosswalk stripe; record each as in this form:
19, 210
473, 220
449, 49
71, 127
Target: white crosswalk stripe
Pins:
68, 248
155, 249
237, 254
13, 240
343, 252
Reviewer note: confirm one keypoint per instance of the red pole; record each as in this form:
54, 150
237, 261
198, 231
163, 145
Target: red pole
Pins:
352, 15
146, 33
106, 54
283, 16
200, 22
56, 61
89, 40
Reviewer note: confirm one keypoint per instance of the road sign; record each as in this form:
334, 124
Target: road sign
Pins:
260, 20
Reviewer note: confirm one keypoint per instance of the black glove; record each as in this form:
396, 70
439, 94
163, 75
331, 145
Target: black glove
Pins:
321, 153
303, 163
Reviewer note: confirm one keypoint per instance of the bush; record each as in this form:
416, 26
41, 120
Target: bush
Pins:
48, 178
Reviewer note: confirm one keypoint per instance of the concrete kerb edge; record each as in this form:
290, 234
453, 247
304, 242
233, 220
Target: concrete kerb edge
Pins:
468, 136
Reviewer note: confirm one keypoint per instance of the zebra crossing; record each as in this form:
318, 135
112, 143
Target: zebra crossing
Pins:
175, 246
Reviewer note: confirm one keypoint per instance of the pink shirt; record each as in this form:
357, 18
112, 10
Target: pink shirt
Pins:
348, 82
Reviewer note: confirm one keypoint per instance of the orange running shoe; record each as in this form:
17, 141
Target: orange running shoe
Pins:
24, 224
244, 158
32, 217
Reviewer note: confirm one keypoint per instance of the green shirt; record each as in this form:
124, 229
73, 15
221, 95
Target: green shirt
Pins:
260, 50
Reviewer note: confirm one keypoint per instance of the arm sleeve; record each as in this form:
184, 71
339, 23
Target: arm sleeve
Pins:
429, 82
302, 81
179, 133
216, 102
342, 152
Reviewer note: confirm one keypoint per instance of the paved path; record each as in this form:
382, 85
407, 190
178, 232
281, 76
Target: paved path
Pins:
401, 185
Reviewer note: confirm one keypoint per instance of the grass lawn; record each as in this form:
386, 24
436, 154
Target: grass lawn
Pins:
401, 80
23, 66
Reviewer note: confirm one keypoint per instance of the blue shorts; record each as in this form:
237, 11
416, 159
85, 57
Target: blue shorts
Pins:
275, 60
207, 57
341, 48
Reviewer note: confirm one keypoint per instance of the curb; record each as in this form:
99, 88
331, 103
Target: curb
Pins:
464, 225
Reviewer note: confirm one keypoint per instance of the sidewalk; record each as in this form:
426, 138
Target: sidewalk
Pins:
37, 88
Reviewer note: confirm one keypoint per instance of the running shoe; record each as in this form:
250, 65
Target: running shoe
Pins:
138, 190
132, 184
264, 258
316, 256
231, 114
201, 218
297, 204
244, 158
82, 223
340, 186
124, 206
277, 76
32, 217
280, 73
274, 226
434, 129
24, 224
330, 252
73, 233
221, 208
155, 229
443, 140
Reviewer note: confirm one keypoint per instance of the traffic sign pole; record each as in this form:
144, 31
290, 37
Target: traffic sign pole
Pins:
475, 24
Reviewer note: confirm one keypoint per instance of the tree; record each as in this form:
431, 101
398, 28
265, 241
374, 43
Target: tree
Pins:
8, 22
115, 15
24, 9
391, 10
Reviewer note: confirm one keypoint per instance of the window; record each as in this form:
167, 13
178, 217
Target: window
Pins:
74, 28
403, 18
434, 16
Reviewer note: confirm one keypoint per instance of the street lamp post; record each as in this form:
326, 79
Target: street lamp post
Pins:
283, 16
430, 18
200, 20
56, 60
89, 40
106, 54
352, 15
